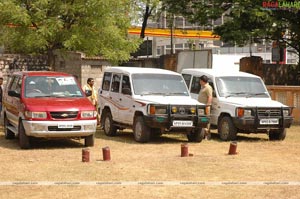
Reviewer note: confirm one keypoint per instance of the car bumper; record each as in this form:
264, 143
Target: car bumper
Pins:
53, 129
167, 122
253, 124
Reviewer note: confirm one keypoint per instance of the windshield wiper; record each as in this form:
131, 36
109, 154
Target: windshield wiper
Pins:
235, 94
152, 93
182, 93
255, 94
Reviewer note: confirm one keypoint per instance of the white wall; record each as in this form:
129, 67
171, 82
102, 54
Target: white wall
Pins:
226, 62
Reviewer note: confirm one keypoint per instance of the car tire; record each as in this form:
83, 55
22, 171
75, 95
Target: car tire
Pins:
24, 140
89, 140
278, 134
7, 133
140, 130
108, 125
227, 131
195, 135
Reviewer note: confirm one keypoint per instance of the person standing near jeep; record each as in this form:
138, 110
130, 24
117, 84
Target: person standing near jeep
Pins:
1, 94
205, 97
90, 87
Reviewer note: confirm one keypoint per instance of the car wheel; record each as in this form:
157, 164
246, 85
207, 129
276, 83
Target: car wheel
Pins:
89, 140
227, 131
23, 138
109, 128
140, 130
195, 135
8, 133
278, 134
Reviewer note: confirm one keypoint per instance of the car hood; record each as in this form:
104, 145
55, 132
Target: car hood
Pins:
58, 104
252, 102
185, 100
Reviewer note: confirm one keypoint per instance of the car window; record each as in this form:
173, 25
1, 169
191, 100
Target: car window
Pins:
51, 86
159, 84
9, 82
16, 84
106, 81
241, 87
195, 87
187, 78
126, 89
115, 86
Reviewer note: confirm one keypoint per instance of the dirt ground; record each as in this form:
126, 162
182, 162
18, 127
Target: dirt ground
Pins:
54, 168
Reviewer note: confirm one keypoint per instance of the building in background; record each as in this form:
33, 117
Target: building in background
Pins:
161, 40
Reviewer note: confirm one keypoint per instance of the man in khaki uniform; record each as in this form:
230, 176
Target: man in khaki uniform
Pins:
205, 97
90, 86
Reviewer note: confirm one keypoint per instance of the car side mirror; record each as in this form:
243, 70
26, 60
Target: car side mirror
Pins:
126, 91
13, 93
88, 93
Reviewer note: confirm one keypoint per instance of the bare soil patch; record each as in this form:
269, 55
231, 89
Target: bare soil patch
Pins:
258, 160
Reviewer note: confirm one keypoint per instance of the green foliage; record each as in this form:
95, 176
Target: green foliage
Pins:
95, 27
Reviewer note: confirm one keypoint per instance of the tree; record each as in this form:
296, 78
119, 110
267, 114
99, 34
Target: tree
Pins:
246, 21
144, 9
95, 27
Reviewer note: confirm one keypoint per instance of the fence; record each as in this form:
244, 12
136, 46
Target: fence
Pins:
289, 95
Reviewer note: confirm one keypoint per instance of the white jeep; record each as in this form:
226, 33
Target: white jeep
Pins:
241, 104
151, 102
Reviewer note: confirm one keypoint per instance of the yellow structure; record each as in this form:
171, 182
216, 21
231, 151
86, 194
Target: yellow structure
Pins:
178, 33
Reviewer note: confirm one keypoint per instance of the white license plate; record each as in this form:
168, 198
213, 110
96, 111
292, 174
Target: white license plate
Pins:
65, 126
180, 123
268, 121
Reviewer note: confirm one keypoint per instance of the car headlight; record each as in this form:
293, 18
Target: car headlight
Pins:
35, 115
88, 114
174, 109
286, 112
157, 109
201, 111
193, 110
241, 112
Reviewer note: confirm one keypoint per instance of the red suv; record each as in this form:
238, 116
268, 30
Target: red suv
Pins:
49, 105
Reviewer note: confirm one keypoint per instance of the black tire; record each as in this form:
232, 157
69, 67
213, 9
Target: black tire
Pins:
24, 141
89, 140
7, 133
195, 135
227, 131
108, 125
140, 130
279, 134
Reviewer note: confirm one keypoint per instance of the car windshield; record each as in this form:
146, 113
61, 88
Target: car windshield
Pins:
41, 86
159, 84
241, 87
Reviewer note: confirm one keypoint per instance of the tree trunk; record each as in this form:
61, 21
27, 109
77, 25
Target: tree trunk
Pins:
51, 59
145, 20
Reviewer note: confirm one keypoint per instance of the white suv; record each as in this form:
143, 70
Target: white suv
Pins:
151, 102
241, 103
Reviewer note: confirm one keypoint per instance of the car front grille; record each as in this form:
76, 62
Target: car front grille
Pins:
55, 128
64, 115
183, 110
269, 112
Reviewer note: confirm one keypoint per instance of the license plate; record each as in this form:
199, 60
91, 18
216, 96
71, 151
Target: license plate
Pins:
268, 121
65, 126
180, 123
